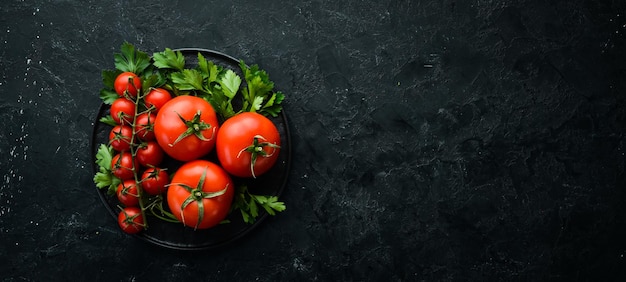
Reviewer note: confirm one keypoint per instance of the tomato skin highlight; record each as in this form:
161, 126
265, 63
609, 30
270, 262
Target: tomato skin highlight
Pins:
156, 98
130, 220
127, 83
215, 208
168, 128
123, 111
236, 134
154, 181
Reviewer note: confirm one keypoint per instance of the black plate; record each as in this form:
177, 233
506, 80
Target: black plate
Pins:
177, 236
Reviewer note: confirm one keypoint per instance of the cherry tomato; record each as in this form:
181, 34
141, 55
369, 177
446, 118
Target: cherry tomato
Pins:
127, 83
130, 220
127, 193
157, 97
200, 194
149, 154
186, 128
123, 111
120, 137
154, 181
144, 126
248, 144
122, 165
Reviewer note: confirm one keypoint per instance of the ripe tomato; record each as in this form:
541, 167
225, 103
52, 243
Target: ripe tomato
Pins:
248, 144
127, 83
120, 137
200, 194
144, 126
186, 128
149, 154
122, 165
130, 220
154, 180
157, 97
127, 193
123, 111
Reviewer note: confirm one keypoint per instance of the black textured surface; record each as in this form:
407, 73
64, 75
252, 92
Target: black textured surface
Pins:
432, 140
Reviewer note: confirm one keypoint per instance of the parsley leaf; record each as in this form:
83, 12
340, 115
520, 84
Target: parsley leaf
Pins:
104, 178
108, 120
230, 83
258, 96
169, 59
108, 78
248, 204
188, 79
209, 70
108, 96
131, 60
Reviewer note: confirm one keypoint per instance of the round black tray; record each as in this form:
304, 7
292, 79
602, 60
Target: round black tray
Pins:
176, 236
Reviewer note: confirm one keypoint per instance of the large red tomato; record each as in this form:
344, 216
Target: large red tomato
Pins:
186, 128
248, 145
200, 194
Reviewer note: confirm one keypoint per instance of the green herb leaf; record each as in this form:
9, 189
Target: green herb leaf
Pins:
108, 96
230, 83
104, 156
131, 60
187, 79
169, 59
104, 177
258, 96
108, 120
149, 81
248, 203
108, 78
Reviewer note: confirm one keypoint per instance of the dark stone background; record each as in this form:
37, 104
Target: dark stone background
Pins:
433, 140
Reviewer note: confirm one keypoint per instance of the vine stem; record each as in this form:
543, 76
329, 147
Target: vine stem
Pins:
133, 152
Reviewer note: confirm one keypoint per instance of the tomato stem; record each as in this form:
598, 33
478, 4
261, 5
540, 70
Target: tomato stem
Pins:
133, 151
195, 126
197, 194
256, 149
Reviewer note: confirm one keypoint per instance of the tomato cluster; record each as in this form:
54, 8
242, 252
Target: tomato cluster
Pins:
154, 126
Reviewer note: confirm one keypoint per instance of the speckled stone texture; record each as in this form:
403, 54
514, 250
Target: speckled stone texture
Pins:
432, 140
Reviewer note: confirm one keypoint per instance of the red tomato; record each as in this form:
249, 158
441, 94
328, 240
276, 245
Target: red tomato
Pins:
123, 111
186, 128
122, 165
157, 97
200, 194
154, 180
144, 126
127, 83
120, 137
130, 220
127, 193
149, 154
248, 145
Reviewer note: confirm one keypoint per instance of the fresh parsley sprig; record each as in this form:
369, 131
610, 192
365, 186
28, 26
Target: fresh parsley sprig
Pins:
131, 60
248, 204
104, 178
259, 95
